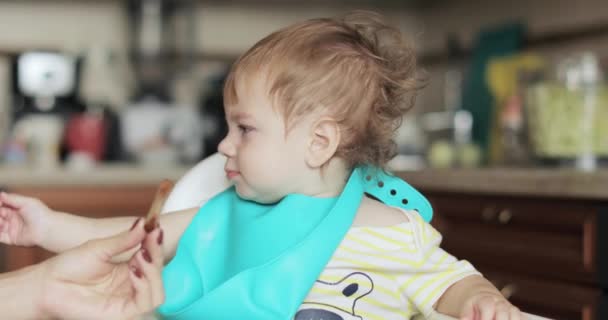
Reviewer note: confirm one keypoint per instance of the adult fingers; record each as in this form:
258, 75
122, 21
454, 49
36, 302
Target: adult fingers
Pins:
153, 244
112, 246
151, 261
142, 298
145, 267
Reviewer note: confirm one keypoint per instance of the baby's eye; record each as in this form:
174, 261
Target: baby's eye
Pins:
244, 129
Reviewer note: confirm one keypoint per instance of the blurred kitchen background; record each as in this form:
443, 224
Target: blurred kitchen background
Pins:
104, 82
101, 99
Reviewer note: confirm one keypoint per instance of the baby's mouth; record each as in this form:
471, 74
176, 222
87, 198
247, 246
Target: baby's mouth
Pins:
230, 174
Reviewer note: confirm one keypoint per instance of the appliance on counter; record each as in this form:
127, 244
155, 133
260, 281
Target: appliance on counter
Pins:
44, 95
45, 100
160, 133
45, 83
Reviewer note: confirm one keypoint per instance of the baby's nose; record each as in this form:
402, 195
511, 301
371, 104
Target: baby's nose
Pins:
226, 147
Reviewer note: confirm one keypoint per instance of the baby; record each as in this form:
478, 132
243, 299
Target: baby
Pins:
308, 108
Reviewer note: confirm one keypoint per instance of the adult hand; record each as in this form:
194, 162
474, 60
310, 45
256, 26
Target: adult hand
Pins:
84, 283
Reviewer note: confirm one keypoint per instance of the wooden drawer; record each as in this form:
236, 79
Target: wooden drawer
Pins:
550, 215
555, 300
94, 201
544, 237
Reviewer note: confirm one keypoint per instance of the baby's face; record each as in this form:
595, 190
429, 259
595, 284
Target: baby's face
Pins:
263, 161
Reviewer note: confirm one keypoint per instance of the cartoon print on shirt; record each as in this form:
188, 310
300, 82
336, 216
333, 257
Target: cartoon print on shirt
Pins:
349, 290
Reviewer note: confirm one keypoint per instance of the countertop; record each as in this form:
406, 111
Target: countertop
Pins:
562, 183
121, 174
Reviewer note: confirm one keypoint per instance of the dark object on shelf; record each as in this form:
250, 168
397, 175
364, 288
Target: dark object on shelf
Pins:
554, 38
476, 96
212, 111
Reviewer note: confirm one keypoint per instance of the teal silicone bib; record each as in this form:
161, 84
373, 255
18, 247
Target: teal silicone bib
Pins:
244, 260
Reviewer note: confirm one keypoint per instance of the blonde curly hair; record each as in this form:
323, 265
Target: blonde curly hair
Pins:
356, 66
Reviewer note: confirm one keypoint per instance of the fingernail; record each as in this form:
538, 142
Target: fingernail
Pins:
136, 272
134, 224
159, 240
146, 255
150, 225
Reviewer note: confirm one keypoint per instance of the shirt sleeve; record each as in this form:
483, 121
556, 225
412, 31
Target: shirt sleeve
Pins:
423, 284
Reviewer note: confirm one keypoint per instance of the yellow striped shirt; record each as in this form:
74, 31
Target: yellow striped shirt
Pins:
376, 273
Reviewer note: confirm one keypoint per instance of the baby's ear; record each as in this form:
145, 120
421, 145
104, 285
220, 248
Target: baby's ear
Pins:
323, 143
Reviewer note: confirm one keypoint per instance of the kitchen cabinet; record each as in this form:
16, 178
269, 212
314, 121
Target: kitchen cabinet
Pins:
544, 254
547, 252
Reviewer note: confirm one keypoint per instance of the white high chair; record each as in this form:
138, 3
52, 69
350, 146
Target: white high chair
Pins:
207, 179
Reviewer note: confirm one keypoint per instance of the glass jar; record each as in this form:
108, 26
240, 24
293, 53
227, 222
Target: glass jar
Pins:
564, 114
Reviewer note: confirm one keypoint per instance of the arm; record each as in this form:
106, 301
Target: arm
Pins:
79, 229
19, 293
83, 229
455, 288
27, 221
174, 224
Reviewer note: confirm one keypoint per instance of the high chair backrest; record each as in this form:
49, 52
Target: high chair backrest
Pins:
199, 184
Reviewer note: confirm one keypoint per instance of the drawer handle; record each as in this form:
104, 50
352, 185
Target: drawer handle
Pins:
505, 216
508, 290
